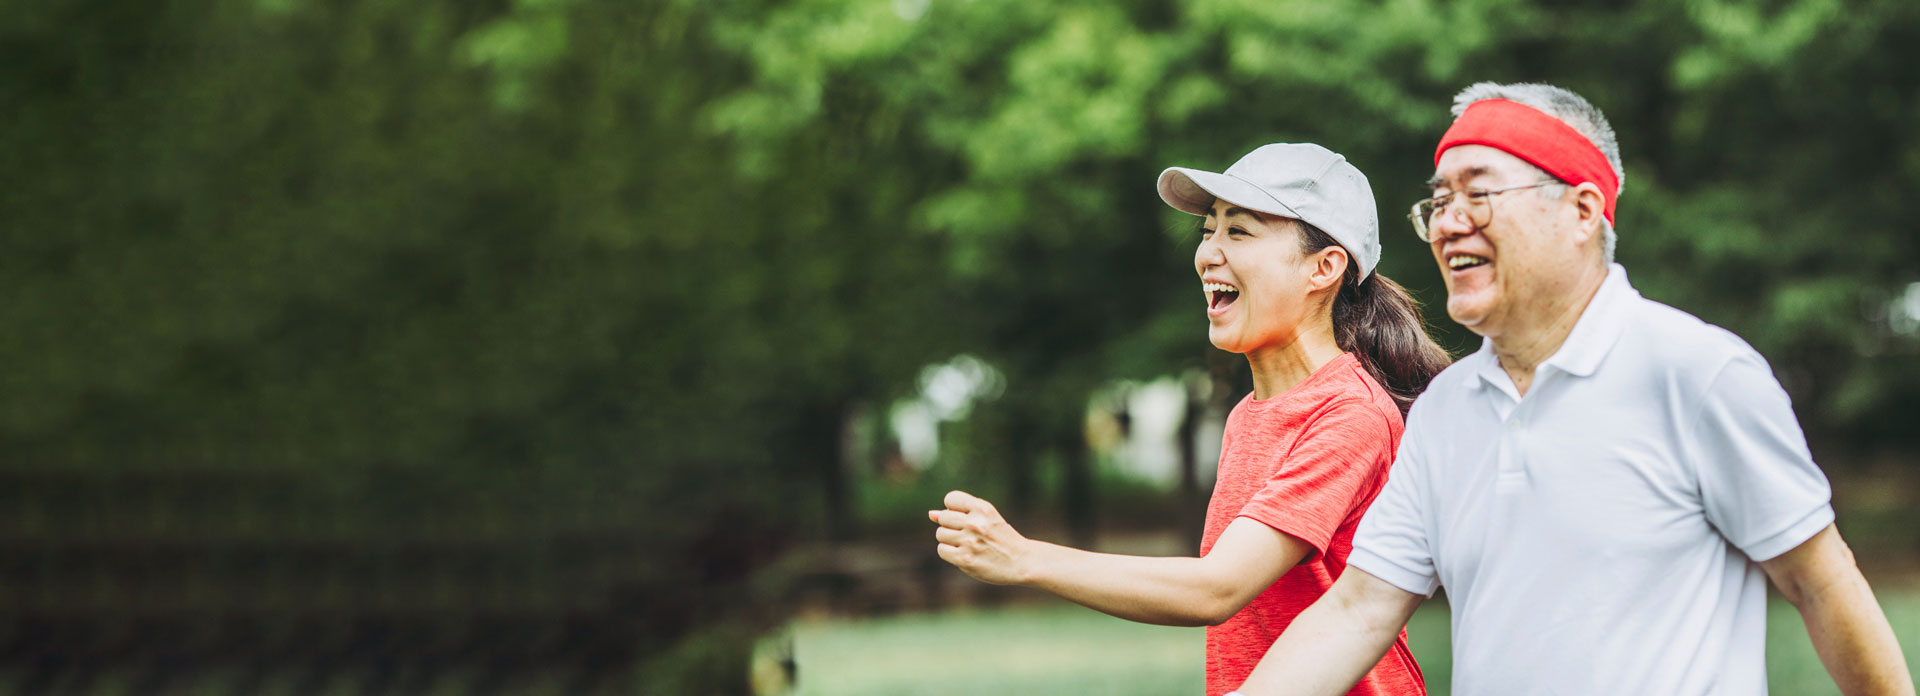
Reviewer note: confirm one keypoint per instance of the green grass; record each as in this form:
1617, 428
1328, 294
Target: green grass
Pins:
1056, 649
1053, 649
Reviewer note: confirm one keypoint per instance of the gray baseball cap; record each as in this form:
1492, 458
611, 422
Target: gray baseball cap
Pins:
1297, 180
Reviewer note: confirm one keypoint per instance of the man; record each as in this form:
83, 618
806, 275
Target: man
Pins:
1605, 487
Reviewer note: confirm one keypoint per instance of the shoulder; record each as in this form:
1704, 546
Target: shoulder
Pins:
1357, 424
1362, 411
1677, 336
1458, 374
1451, 385
1354, 396
1452, 400
1678, 347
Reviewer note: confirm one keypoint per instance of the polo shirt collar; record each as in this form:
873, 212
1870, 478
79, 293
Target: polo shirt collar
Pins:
1593, 335
1599, 326
1488, 368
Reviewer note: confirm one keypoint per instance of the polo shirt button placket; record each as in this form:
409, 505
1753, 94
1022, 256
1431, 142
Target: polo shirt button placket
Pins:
1510, 469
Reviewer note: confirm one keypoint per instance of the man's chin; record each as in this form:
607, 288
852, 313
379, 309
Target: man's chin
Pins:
1468, 314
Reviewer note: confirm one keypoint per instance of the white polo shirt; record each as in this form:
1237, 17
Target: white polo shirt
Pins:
1599, 535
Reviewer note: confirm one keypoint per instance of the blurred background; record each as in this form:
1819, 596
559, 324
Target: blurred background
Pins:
571, 346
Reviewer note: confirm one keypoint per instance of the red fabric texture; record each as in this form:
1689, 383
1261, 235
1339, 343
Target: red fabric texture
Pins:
1532, 135
1307, 463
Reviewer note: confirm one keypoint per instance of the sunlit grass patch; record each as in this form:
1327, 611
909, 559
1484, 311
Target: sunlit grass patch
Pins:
1059, 648
1049, 649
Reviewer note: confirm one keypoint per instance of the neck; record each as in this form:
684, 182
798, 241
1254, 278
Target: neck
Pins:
1277, 369
1523, 349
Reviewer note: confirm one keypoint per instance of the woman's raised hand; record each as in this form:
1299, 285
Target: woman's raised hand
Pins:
976, 539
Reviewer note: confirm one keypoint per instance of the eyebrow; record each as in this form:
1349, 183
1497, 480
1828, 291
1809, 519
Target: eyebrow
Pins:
1235, 209
1468, 174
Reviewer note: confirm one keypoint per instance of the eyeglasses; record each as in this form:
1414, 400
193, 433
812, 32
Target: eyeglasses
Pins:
1479, 207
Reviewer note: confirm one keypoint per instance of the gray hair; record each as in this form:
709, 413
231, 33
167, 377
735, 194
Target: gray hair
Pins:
1571, 109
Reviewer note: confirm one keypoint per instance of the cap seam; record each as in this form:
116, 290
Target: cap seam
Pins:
1291, 212
1314, 183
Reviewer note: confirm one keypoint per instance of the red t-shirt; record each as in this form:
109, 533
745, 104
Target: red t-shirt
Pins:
1307, 463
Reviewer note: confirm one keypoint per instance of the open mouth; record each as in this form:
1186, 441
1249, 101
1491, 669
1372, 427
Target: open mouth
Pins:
1219, 296
1460, 262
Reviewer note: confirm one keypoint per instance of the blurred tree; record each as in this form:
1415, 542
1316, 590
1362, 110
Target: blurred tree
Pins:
468, 276
1061, 116
561, 307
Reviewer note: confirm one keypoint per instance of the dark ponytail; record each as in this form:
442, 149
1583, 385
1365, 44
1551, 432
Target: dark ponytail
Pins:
1380, 323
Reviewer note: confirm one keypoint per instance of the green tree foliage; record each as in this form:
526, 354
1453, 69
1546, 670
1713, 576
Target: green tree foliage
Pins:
460, 283
589, 289
1767, 148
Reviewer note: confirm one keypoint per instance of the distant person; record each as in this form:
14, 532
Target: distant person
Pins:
1286, 257
1606, 486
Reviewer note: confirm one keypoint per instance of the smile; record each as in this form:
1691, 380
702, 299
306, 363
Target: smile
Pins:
1459, 261
1219, 296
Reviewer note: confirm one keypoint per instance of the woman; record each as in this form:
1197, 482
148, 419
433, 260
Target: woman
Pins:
1286, 257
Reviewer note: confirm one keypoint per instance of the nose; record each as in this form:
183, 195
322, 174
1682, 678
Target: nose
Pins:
1451, 221
1208, 255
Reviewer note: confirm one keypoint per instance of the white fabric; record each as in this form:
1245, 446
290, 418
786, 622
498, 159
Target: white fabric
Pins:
1598, 536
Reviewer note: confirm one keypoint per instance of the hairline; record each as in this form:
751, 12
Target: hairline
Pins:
1563, 105
1569, 108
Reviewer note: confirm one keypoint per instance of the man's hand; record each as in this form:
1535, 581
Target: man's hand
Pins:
976, 539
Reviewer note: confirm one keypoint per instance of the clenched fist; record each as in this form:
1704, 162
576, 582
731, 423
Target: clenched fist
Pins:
974, 538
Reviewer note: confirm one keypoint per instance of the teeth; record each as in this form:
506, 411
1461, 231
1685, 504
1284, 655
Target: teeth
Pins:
1218, 287
1464, 260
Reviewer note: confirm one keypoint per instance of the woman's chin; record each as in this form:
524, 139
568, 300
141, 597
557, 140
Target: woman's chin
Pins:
1224, 341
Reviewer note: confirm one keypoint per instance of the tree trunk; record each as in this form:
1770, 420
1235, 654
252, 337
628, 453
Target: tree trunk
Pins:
1077, 487
1022, 455
1193, 501
822, 429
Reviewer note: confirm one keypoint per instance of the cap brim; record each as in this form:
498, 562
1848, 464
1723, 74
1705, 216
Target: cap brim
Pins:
1193, 191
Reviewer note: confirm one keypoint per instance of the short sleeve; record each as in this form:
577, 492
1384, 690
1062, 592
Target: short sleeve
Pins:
1758, 482
1391, 543
1331, 467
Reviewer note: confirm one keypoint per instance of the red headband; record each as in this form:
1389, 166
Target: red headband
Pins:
1532, 135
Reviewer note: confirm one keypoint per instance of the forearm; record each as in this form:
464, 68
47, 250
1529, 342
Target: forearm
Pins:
1246, 558
1849, 632
1854, 640
1331, 645
1166, 591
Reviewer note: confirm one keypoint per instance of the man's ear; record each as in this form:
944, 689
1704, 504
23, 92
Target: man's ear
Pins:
1590, 207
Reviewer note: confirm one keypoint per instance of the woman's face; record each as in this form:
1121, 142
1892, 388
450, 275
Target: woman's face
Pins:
1255, 278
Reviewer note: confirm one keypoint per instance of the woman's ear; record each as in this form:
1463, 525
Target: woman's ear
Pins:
1329, 265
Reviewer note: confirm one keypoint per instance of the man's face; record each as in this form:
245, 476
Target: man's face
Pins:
1524, 254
